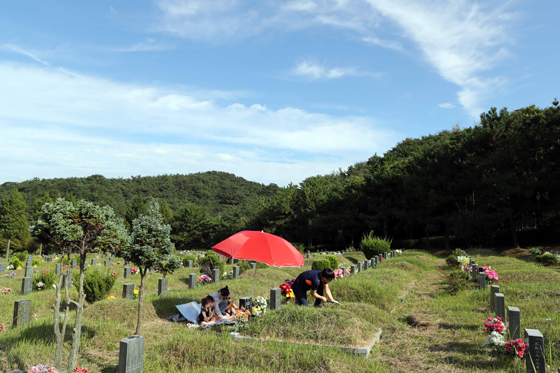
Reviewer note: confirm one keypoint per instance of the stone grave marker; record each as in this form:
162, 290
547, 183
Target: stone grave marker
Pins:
372, 263
26, 285
360, 267
48, 259
128, 291
28, 271
514, 320
501, 306
474, 272
314, 255
274, 299
245, 302
93, 261
74, 263
162, 286
535, 351
131, 355
58, 269
385, 255
126, 262
343, 272
352, 269
107, 263
66, 284
472, 262
216, 275
482, 282
189, 263
235, 272
2, 267
493, 290
22, 312
253, 265
232, 261
365, 265
192, 280
127, 272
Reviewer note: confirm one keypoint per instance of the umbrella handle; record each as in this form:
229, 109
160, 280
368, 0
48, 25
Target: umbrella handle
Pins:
254, 277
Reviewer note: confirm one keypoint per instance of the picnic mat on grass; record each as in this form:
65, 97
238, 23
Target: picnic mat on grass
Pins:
190, 312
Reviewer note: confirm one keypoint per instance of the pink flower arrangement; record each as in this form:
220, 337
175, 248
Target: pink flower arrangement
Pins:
339, 273
112, 264
494, 325
516, 347
117, 263
46, 271
133, 271
2, 326
80, 370
42, 368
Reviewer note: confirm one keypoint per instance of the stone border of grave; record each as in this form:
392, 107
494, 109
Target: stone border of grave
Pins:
364, 351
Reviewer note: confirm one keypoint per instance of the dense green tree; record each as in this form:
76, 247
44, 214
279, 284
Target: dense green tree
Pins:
165, 212
13, 221
193, 227
135, 208
150, 250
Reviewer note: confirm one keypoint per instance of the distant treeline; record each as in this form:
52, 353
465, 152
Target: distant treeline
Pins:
501, 176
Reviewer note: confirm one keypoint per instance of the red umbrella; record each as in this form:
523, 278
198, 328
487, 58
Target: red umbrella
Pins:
261, 247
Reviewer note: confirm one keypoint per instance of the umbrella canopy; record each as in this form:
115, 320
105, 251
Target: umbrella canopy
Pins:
261, 247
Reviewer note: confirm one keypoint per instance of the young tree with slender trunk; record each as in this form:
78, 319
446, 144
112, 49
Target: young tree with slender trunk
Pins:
150, 250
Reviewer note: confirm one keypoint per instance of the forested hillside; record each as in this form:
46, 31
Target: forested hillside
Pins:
215, 191
498, 178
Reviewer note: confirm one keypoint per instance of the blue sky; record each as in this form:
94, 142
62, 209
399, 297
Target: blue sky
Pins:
273, 91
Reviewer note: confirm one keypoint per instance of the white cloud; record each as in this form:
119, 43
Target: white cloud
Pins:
86, 124
390, 44
446, 105
25, 52
149, 45
462, 40
313, 70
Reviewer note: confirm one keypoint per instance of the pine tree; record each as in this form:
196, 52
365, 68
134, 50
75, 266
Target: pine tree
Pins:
13, 221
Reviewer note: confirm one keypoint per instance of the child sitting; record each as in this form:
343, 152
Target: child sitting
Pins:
207, 315
231, 308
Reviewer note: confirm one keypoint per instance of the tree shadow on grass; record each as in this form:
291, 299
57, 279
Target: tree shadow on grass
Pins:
44, 332
110, 369
444, 325
351, 259
166, 306
464, 348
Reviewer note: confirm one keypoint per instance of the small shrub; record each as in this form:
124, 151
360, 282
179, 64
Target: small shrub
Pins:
333, 261
188, 257
372, 245
534, 251
97, 285
319, 265
16, 262
547, 259
22, 256
36, 262
451, 260
456, 282
48, 279
209, 262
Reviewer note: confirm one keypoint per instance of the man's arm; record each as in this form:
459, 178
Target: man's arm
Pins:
328, 293
316, 295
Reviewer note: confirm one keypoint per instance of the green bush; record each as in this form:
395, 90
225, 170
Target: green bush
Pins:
22, 256
319, 265
372, 245
36, 262
451, 260
333, 261
16, 262
47, 278
456, 282
209, 262
534, 251
97, 285
547, 259
188, 257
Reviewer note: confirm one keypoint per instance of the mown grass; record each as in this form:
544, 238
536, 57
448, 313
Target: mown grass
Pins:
446, 337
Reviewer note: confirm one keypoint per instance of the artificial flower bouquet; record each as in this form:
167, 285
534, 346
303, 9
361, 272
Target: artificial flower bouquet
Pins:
286, 289
203, 280
42, 368
259, 306
495, 325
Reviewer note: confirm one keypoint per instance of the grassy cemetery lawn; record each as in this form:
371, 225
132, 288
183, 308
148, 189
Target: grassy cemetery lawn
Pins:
424, 328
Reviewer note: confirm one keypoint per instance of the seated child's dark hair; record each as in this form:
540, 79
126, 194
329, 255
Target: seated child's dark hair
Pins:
204, 302
328, 273
224, 292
